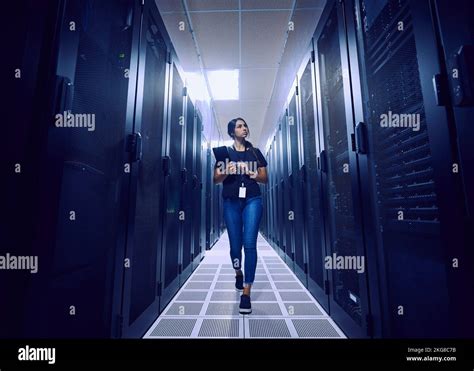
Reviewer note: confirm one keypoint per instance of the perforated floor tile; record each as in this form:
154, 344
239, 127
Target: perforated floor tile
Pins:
225, 296
268, 328
226, 328
184, 309
191, 296
302, 309
174, 327
315, 328
198, 285
294, 296
222, 309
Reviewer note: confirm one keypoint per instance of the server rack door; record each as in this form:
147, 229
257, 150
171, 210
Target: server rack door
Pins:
212, 203
286, 189
197, 191
346, 260
83, 188
313, 216
217, 214
171, 237
30, 44
142, 280
296, 191
408, 171
187, 196
275, 221
262, 226
271, 190
458, 51
209, 188
280, 193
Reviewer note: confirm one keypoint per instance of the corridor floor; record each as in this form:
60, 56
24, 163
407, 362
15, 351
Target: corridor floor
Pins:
207, 306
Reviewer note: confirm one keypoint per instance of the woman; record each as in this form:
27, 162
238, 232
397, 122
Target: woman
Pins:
242, 204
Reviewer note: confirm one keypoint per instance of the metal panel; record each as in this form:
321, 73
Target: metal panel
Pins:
415, 211
227, 328
198, 194
285, 191
144, 237
268, 328
296, 188
348, 296
172, 241
312, 190
315, 328
81, 188
171, 327
187, 196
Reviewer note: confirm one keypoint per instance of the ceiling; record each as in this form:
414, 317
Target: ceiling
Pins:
250, 35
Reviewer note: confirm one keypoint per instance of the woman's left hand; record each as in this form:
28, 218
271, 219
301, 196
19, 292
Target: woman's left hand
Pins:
244, 169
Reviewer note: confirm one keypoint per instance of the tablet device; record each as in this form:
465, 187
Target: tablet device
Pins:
221, 153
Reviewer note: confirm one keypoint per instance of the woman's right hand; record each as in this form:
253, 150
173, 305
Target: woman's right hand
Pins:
231, 169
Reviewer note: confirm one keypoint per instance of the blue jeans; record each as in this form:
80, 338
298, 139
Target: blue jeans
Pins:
246, 213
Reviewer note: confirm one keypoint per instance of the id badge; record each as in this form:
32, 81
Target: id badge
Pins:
242, 191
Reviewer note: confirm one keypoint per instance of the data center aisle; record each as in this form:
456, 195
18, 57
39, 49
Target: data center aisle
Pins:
207, 305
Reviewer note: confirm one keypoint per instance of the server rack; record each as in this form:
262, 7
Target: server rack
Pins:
415, 225
285, 188
273, 184
296, 225
276, 216
142, 259
173, 191
186, 208
77, 232
198, 193
343, 225
105, 217
312, 188
282, 215
209, 191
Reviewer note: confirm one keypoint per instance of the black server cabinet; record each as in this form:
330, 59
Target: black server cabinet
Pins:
198, 192
286, 189
263, 223
142, 274
172, 242
187, 195
345, 260
414, 226
271, 186
209, 184
295, 186
280, 191
30, 43
82, 189
271, 191
275, 218
456, 47
312, 191
268, 192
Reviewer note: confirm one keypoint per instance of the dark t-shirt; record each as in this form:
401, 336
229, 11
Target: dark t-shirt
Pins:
233, 182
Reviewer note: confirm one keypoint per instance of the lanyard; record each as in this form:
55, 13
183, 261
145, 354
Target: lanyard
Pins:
241, 175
